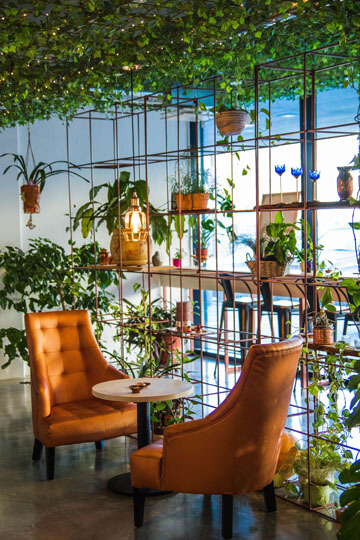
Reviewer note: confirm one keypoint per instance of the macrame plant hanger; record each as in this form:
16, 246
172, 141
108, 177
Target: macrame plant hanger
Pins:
29, 150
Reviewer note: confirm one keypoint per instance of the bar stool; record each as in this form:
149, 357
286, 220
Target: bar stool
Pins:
283, 308
244, 307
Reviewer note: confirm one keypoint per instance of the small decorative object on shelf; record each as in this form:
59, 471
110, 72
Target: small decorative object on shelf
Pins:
344, 183
156, 259
297, 172
183, 315
280, 169
314, 176
323, 332
177, 258
104, 257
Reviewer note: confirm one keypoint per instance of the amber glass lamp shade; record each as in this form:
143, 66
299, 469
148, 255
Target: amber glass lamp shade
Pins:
135, 222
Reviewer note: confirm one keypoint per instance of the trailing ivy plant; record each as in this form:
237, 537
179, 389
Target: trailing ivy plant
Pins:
54, 58
41, 279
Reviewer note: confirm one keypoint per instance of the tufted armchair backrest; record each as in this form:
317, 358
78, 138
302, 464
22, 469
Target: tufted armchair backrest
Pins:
65, 359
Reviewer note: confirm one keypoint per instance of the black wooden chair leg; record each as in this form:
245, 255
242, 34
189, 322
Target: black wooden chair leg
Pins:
227, 516
99, 445
37, 451
50, 463
269, 497
139, 506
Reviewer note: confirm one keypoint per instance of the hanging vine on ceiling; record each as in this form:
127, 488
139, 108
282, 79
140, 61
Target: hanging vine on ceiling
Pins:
57, 57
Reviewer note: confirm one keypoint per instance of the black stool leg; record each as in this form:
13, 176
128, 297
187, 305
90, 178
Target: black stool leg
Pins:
37, 451
227, 516
269, 497
139, 506
50, 463
222, 320
99, 445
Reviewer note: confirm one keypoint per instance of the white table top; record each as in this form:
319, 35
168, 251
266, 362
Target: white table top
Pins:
160, 389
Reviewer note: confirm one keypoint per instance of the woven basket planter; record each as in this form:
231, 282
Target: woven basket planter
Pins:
231, 122
323, 336
269, 268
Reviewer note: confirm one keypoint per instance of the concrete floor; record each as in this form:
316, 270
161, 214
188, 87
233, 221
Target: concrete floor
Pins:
78, 506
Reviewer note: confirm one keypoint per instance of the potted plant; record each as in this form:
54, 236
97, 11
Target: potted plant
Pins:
300, 253
177, 258
323, 331
200, 191
34, 180
131, 253
207, 228
277, 248
183, 197
230, 120
325, 461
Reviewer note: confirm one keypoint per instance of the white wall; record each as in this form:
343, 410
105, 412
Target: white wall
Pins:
49, 144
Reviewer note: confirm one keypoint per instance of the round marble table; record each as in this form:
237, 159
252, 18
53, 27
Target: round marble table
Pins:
159, 389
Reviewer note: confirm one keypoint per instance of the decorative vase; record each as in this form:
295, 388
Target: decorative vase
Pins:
319, 495
131, 253
308, 266
30, 196
176, 262
344, 183
156, 259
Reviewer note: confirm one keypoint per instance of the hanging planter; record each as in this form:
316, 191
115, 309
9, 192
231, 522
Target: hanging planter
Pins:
269, 268
34, 180
231, 122
30, 196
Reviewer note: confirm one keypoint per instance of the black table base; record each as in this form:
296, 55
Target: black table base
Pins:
121, 483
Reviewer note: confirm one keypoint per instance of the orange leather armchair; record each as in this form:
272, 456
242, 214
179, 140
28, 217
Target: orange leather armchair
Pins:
65, 363
234, 449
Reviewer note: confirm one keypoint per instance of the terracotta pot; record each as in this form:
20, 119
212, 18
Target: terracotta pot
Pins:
30, 196
132, 253
176, 262
186, 201
171, 343
323, 336
231, 122
200, 201
344, 183
201, 254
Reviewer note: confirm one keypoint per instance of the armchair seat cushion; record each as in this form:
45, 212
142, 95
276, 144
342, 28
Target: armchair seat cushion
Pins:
86, 421
146, 466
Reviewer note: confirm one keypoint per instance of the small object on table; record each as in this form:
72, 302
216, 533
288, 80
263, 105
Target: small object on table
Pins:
104, 257
188, 329
135, 388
